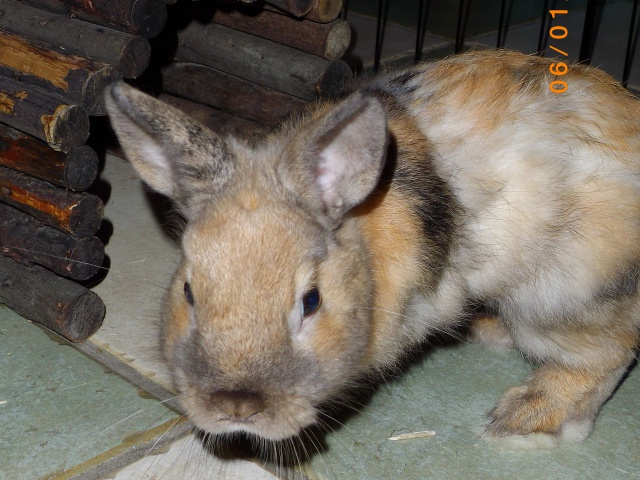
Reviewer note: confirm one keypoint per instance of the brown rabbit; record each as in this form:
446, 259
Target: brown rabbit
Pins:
357, 228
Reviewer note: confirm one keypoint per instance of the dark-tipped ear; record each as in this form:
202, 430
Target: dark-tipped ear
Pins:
174, 154
343, 155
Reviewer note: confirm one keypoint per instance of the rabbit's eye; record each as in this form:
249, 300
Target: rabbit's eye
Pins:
311, 302
188, 294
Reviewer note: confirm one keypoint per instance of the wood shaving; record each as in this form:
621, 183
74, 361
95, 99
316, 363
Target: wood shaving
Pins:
412, 435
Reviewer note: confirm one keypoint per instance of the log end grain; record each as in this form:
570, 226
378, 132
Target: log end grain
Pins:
86, 216
325, 11
334, 79
94, 86
86, 259
81, 317
148, 17
134, 57
81, 168
67, 128
338, 40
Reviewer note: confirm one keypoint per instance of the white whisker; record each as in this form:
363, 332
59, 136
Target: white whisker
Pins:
26, 250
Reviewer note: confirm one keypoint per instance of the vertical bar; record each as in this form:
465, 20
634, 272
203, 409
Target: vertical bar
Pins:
503, 9
591, 27
418, 51
459, 28
543, 28
423, 15
628, 58
379, 35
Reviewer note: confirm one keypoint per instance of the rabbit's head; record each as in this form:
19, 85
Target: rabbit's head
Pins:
268, 314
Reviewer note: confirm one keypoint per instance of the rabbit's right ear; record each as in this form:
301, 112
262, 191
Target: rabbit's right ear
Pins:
174, 154
339, 157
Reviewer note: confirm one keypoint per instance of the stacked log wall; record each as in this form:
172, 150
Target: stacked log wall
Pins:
238, 67
56, 59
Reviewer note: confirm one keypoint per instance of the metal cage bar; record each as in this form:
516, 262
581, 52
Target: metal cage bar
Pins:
632, 41
591, 29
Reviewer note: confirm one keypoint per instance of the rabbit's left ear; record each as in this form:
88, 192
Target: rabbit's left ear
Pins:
174, 154
340, 156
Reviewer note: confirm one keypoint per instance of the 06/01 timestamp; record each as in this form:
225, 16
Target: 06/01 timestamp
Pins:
558, 32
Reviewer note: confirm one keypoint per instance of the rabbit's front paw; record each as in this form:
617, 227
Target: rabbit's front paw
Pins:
522, 411
558, 401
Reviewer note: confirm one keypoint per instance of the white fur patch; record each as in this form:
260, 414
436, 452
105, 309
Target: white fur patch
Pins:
525, 442
576, 431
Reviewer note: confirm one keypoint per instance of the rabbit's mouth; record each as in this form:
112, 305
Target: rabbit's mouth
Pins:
272, 417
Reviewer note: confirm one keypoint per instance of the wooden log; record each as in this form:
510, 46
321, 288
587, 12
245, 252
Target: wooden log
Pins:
76, 170
53, 6
220, 122
322, 11
77, 213
67, 308
78, 79
297, 8
261, 61
30, 241
128, 53
140, 17
326, 40
231, 94
325, 11
44, 115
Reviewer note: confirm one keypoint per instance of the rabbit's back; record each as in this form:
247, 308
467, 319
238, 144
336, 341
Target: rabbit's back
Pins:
543, 188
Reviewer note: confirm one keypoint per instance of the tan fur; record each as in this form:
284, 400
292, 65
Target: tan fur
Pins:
490, 331
394, 240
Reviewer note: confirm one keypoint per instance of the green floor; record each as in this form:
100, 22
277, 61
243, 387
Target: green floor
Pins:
449, 391
61, 413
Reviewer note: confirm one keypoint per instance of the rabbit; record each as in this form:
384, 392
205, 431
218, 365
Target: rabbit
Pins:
324, 252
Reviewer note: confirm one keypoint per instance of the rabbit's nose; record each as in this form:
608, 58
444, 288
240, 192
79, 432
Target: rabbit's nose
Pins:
238, 405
